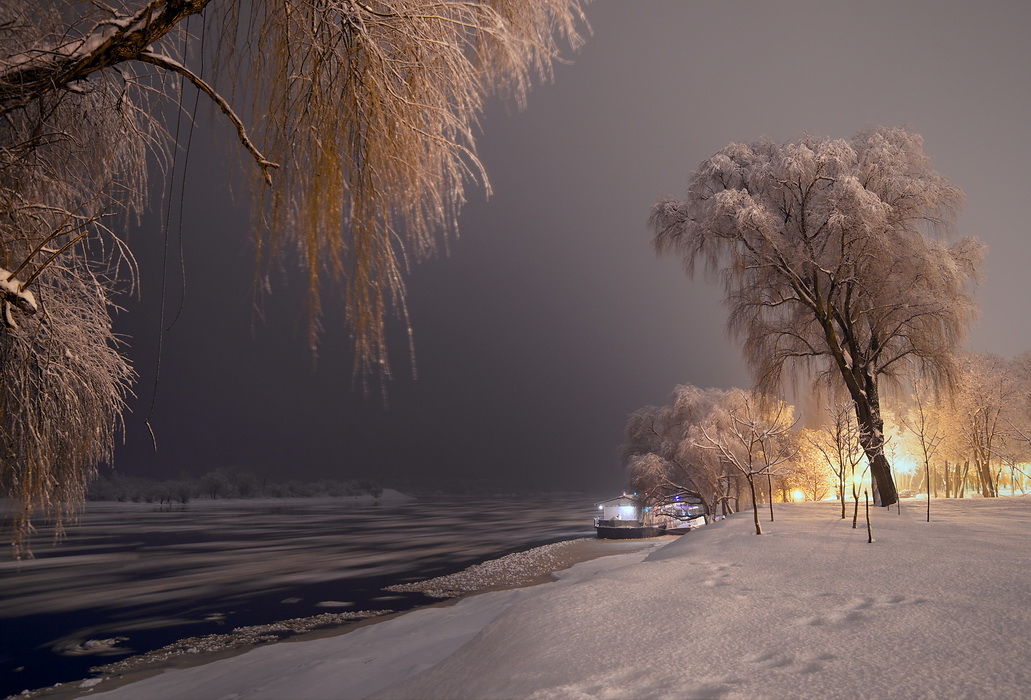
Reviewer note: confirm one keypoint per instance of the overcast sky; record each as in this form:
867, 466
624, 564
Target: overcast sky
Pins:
552, 319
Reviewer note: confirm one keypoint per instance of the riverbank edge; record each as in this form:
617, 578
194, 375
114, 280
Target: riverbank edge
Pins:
573, 552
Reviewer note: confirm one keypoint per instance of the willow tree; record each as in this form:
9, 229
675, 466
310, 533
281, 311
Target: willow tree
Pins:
833, 262
355, 120
661, 456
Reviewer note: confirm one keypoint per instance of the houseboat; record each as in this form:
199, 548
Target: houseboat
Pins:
624, 518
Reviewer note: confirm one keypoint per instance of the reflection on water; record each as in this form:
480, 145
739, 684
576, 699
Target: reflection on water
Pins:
130, 577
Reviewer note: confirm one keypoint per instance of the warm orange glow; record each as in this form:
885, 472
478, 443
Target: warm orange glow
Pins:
861, 482
903, 451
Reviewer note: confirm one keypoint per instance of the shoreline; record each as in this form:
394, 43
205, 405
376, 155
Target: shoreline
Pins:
558, 557
146, 578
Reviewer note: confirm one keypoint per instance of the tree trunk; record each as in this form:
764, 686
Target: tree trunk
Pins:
724, 501
869, 530
871, 438
884, 492
927, 471
984, 476
755, 505
769, 484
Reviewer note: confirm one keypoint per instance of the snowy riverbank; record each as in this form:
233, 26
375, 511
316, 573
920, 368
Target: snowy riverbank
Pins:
807, 610
132, 579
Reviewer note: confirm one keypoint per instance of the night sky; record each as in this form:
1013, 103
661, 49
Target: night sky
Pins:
551, 319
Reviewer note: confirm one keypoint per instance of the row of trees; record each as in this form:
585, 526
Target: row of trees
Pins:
979, 438
722, 446
222, 483
733, 448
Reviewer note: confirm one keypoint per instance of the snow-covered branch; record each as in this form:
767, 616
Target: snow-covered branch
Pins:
14, 294
110, 42
176, 67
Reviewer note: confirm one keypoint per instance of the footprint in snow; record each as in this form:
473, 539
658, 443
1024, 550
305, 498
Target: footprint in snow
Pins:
885, 602
778, 660
719, 574
859, 610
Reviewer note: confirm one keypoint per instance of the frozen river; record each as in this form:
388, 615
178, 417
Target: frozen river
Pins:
130, 578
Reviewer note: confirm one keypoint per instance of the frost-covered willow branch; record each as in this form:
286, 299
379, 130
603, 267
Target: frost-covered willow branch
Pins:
62, 391
174, 66
371, 108
72, 163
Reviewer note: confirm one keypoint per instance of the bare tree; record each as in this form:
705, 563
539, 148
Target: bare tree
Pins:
1014, 456
838, 442
1017, 452
811, 471
753, 439
923, 423
356, 120
979, 416
826, 252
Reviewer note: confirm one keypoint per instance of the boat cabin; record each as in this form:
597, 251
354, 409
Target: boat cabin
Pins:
620, 508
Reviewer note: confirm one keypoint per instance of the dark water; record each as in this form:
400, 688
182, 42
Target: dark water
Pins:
145, 578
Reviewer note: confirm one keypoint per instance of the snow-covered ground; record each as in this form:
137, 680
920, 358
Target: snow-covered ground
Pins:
809, 609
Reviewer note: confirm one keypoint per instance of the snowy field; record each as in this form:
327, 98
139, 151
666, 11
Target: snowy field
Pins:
809, 609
